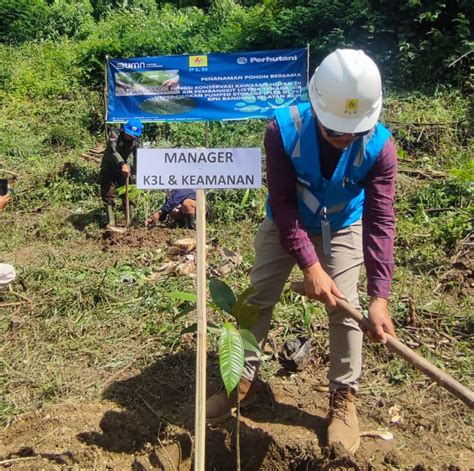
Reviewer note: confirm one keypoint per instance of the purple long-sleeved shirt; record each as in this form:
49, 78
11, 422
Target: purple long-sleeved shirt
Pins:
378, 219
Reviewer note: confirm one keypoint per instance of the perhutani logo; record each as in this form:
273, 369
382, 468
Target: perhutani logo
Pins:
197, 61
242, 60
273, 59
131, 65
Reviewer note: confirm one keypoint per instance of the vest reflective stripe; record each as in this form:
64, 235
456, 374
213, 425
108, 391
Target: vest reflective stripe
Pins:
313, 203
343, 195
298, 122
360, 156
308, 198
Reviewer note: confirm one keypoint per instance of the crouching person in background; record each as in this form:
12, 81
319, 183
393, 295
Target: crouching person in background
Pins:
116, 167
179, 210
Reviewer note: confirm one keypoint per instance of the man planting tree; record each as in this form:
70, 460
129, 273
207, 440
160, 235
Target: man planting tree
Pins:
116, 167
331, 178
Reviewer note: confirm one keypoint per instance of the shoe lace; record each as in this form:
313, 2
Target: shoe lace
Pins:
338, 404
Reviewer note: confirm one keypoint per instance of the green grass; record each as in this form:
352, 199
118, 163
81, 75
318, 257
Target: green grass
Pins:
99, 310
81, 317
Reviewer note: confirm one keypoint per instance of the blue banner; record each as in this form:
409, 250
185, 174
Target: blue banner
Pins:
206, 87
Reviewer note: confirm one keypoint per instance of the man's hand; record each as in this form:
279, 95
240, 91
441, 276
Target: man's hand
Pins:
153, 219
4, 201
319, 285
171, 84
379, 321
125, 170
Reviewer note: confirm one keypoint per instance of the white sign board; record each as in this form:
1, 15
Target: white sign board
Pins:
167, 169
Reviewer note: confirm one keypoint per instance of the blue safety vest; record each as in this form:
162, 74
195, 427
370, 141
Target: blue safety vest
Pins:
340, 200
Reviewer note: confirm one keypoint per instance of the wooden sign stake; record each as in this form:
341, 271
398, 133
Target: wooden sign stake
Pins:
200, 417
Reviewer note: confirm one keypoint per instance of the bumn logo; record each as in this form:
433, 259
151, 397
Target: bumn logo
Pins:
131, 65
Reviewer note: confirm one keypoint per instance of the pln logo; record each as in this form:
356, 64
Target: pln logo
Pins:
242, 60
197, 61
351, 106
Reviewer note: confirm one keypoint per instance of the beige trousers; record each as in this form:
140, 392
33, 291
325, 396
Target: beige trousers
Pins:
270, 272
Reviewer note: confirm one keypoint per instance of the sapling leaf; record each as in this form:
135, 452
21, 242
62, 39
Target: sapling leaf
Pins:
250, 342
222, 295
248, 315
231, 356
212, 328
190, 297
191, 329
241, 300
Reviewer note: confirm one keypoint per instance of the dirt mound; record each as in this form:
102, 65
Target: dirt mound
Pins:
138, 238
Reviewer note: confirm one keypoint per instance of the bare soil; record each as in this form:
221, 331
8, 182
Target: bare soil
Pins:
140, 238
144, 418
145, 422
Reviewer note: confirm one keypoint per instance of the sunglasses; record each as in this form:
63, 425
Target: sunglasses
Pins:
332, 133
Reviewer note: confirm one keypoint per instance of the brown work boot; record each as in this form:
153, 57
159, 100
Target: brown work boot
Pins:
343, 426
220, 405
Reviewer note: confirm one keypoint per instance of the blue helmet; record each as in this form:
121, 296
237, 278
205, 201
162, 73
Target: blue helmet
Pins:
133, 127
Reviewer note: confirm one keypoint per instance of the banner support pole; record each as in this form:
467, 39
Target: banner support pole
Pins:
106, 94
307, 63
201, 358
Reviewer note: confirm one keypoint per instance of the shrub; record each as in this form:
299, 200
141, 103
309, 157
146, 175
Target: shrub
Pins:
43, 102
137, 34
68, 18
22, 20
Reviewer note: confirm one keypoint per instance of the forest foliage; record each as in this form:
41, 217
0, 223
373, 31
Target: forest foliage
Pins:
412, 40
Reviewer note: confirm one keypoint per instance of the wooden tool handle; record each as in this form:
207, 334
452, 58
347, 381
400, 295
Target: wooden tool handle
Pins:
395, 346
127, 204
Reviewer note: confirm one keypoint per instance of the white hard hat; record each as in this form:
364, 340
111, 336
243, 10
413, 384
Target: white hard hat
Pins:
7, 275
346, 91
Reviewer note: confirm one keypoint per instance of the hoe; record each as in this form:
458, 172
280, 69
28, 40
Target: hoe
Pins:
395, 346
